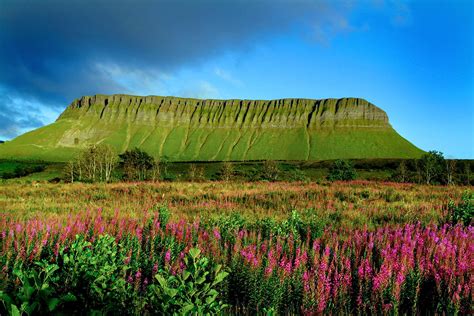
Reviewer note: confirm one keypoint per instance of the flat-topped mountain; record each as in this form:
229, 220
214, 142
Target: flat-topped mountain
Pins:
186, 129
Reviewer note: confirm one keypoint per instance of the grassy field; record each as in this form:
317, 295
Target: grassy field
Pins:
355, 203
241, 248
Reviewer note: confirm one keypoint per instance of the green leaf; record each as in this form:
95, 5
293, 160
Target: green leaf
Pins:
210, 299
194, 252
5, 298
217, 268
14, 311
170, 292
201, 280
220, 277
186, 275
53, 303
28, 290
213, 292
69, 297
186, 309
161, 280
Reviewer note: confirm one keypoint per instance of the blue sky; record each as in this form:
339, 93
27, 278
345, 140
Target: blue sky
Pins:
414, 59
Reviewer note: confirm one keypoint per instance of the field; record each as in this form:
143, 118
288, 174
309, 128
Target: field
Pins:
236, 247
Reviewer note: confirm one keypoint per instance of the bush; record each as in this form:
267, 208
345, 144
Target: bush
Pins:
164, 215
227, 171
23, 171
193, 292
36, 293
270, 171
95, 272
462, 212
342, 170
137, 164
297, 175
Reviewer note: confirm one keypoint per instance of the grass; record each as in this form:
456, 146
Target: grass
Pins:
341, 204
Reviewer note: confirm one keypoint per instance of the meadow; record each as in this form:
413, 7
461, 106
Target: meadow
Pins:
239, 248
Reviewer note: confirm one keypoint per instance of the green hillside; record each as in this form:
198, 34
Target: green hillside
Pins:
215, 130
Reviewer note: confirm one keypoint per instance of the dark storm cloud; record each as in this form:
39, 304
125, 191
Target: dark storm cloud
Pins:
54, 51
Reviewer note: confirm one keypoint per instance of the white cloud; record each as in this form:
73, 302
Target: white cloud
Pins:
201, 90
222, 74
135, 80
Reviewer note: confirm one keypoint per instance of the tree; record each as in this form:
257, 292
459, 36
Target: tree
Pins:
401, 173
70, 170
418, 171
342, 170
164, 164
136, 164
450, 170
195, 173
192, 171
155, 171
432, 165
95, 163
467, 171
227, 171
271, 170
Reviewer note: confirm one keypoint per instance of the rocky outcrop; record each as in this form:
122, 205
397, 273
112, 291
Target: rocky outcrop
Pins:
282, 113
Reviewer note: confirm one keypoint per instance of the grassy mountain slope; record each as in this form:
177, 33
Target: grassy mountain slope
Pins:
216, 130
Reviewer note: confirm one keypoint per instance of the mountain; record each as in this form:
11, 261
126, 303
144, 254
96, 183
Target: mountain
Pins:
186, 129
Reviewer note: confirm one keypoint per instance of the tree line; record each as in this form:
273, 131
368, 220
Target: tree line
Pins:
433, 168
101, 163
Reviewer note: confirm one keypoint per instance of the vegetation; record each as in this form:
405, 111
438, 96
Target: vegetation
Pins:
432, 164
348, 204
95, 163
89, 262
342, 170
137, 164
462, 212
17, 169
453, 172
267, 246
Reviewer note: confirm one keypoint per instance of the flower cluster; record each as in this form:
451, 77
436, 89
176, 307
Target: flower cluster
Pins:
406, 268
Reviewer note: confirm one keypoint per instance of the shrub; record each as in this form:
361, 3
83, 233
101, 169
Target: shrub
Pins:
227, 171
342, 170
22, 171
136, 164
164, 215
297, 175
464, 211
95, 272
196, 173
192, 292
36, 293
270, 170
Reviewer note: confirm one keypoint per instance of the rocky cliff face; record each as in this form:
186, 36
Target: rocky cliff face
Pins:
214, 130
283, 113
